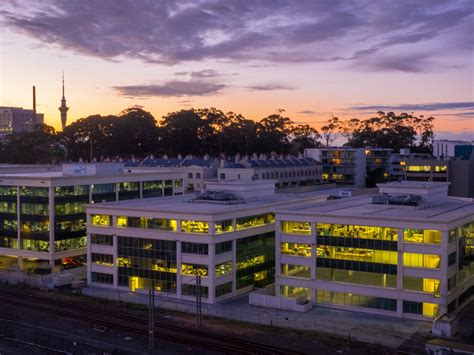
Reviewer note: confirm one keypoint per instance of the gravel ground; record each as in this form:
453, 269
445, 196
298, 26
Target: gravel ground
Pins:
82, 333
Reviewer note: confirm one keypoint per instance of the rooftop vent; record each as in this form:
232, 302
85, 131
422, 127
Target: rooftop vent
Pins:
401, 200
221, 197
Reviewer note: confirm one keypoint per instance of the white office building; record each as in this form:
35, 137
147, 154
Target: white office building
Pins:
407, 252
42, 213
225, 235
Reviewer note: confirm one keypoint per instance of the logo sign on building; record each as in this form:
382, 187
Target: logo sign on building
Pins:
79, 170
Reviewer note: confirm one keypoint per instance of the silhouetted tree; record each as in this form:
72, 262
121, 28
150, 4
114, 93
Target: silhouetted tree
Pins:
40, 146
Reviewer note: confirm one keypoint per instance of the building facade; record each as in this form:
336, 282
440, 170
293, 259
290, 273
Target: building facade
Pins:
287, 172
42, 214
443, 148
350, 166
17, 119
227, 238
407, 252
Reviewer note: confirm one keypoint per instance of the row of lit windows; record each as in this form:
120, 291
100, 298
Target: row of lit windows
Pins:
187, 226
365, 232
425, 168
363, 301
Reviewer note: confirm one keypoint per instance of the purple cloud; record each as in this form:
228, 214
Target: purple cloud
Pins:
360, 33
269, 87
170, 89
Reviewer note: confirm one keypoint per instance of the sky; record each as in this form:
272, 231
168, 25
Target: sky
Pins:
314, 59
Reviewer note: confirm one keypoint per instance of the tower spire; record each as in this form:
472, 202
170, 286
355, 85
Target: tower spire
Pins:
63, 108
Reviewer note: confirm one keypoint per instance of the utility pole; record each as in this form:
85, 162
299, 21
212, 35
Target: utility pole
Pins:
198, 301
151, 317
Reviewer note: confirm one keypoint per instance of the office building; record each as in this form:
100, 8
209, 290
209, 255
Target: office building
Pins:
444, 148
350, 166
226, 235
42, 214
17, 119
407, 252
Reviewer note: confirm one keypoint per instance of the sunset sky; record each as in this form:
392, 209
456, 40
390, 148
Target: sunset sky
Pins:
312, 58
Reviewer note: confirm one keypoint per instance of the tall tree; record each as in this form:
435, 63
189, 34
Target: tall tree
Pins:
40, 146
302, 137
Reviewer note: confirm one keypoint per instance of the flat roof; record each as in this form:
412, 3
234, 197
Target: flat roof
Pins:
60, 174
181, 204
444, 211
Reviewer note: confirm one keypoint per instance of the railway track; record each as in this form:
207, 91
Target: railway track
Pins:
137, 325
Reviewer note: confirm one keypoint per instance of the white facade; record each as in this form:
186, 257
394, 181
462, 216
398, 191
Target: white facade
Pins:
230, 243
347, 165
42, 214
391, 259
443, 148
287, 172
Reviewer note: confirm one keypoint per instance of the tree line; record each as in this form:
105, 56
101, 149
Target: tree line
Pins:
134, 132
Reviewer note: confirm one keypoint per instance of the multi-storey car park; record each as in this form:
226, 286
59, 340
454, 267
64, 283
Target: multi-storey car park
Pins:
42, 214
225, 235
407, 252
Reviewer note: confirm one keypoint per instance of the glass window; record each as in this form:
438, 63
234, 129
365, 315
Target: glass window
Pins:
102, 239
296, 271
194, 226
102, 278
357, 277
296, 227
102, 259
223, 289
194, 269
144, 263
191, 290
129, 190
425, 309
224, 269
224, 226
255, 221
152, 188
419, 168
429, 261
351, 299
424, 236
296, 249
421, 284
101, 220
223, 247
122, 222
194, 248
357, 254
356, 231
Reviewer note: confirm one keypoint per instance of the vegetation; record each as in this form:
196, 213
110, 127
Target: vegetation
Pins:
135, 133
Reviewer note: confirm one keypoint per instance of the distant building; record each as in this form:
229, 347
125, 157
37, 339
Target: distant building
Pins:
443, 148
349, 166
459, 172
17, 119
287, 172
397, 161
195, 170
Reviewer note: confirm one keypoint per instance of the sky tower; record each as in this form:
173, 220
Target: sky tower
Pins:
63, 109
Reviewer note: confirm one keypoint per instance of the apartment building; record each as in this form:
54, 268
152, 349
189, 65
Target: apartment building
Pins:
350, 166
42, 214
195, 170
226, 235
407, 252
287, 172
